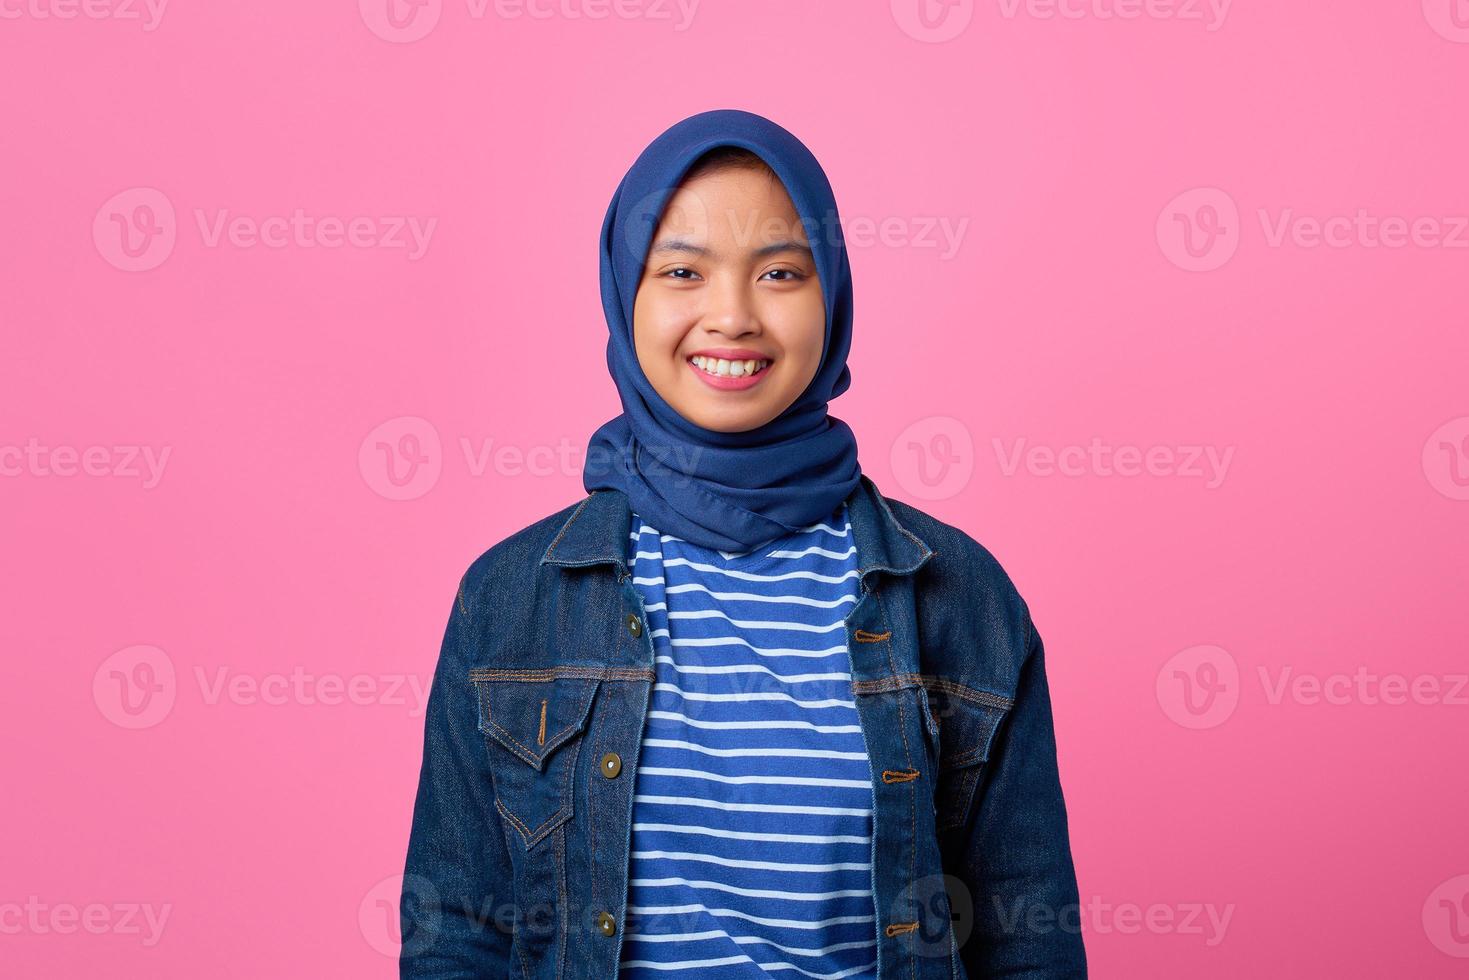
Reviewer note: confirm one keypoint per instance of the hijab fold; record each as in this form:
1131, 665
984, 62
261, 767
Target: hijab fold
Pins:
733, 491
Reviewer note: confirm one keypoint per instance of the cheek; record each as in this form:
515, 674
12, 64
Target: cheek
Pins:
659, 321
807, 334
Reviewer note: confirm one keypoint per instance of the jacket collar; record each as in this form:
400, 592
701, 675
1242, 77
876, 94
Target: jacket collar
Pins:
597, 533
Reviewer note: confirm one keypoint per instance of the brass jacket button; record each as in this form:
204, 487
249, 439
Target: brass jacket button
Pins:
606, 924
634, 626
611, 765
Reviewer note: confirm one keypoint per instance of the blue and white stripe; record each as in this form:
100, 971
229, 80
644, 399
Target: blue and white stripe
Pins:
752, 811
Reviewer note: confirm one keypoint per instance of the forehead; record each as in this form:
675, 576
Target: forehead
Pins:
732, 203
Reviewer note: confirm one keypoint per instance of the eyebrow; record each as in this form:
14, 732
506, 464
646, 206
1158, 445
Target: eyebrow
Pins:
681, 245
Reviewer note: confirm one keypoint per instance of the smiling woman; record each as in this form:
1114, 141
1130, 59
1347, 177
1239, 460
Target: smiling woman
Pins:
735, 713
728, 320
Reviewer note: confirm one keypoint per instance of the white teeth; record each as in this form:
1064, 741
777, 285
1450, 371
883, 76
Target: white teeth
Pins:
727, 368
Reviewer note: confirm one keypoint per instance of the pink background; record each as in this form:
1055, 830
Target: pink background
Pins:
1114, 280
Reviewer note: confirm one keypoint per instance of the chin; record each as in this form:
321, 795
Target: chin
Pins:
725, 423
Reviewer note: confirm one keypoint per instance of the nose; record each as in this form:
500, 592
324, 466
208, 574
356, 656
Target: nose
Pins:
730, 310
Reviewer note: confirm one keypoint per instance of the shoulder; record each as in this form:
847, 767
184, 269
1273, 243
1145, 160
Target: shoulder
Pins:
503, 573
958, 555
966, 602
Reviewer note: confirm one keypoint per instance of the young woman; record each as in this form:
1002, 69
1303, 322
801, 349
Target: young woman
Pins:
736, 713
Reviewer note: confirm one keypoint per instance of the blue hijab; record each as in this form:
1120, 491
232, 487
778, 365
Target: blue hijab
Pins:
733, 491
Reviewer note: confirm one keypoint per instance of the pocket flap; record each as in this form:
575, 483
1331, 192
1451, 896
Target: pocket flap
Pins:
532, 713
964, 722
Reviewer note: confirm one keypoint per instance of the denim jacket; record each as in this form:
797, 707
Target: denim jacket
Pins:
517, 859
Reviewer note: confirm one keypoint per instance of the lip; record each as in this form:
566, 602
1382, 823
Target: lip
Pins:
730, 354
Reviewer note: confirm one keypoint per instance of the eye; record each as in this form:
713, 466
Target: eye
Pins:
692, 275
792, 273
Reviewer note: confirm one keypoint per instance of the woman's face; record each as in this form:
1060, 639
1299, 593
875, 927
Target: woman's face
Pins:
729, 278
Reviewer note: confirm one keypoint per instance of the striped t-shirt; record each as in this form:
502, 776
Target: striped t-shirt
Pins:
751, 849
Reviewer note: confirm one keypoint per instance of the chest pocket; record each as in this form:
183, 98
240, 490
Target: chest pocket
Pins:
960, 723
533, 722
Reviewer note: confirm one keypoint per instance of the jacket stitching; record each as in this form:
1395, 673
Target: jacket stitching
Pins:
552, 673
912, 795
932, 682
567, 526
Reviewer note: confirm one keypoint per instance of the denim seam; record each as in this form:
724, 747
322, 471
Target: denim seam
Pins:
533, 674
567, 526
933, 682
904, 928
565, 912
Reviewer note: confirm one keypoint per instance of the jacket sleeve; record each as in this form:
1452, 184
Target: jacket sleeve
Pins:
1017, 860
456, 902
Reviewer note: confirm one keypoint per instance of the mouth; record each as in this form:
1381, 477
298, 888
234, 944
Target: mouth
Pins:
729, 375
